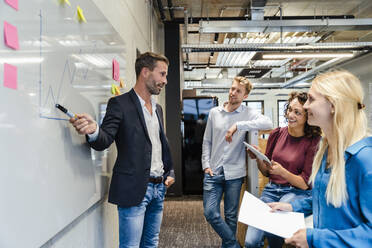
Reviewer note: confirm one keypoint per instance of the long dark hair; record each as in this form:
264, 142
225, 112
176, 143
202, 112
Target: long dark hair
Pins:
310, 131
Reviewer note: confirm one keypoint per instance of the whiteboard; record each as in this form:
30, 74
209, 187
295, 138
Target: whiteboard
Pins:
48, 175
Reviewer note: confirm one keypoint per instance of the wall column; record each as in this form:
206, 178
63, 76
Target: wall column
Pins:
173, 102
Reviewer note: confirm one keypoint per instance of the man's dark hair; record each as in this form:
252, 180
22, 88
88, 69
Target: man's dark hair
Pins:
149, 60
310, 131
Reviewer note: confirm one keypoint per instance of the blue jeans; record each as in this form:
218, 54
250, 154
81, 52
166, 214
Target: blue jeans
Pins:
139, 226
273, 193
213, 189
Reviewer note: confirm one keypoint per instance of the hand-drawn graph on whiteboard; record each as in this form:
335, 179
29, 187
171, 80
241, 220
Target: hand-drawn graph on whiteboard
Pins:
48, 175
83, 64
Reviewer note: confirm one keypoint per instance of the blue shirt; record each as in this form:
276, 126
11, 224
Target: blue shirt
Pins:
351, 224
220, 155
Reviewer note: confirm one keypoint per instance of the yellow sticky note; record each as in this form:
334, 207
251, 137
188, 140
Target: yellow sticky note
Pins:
66, 1
115, 90
121, 83
80, 14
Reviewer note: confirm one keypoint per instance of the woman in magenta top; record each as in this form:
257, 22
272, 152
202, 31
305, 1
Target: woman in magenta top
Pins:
291, 150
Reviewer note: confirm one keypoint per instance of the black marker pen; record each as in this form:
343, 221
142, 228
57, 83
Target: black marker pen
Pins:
64, 110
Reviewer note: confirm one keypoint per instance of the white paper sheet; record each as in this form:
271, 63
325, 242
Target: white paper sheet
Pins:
256, 213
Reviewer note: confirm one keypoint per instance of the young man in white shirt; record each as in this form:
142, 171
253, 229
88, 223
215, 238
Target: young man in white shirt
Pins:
223, 159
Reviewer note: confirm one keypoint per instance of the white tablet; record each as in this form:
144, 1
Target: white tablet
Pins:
257, 153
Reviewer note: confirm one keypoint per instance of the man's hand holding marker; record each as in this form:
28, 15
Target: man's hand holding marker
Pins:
83, 123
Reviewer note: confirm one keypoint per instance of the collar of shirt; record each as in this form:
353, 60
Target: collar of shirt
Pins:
356, 147
142, 102
222, 108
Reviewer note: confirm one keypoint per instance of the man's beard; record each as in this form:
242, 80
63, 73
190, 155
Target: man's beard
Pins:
153, 89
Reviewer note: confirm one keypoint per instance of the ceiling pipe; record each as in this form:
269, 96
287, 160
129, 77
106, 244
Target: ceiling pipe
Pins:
196, 20
161, 10
170, 9
277, 47
306, 76
257, 9
311, 73
211, 66
299, 25
297, 63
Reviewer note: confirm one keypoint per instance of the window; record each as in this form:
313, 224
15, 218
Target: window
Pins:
256, 105
102, 112
281, 119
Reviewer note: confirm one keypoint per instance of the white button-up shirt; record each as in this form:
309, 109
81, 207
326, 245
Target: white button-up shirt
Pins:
220, 155
153, 129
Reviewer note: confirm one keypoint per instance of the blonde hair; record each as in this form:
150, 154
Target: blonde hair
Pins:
245, 82
344, 91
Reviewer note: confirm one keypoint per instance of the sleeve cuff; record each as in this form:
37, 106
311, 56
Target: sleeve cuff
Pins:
93, 137
296, 206
309, 236
171, 174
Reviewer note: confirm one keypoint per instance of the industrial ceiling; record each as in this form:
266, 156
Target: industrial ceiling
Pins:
276, 43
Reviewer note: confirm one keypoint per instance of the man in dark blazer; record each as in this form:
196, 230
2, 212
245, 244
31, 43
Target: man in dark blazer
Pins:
143, 168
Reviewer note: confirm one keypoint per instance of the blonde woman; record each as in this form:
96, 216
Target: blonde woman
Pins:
342, 170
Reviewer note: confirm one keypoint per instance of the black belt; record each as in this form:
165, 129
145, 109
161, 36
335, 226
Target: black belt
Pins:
155, 179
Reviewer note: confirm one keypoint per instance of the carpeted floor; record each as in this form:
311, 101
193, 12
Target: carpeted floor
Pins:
184, 224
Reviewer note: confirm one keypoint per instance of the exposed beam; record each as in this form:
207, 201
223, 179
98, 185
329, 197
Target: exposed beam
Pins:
299, 25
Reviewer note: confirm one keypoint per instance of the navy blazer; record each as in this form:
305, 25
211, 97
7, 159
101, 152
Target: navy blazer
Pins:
124, 122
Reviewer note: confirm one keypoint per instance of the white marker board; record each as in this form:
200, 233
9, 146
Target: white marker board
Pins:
48, 177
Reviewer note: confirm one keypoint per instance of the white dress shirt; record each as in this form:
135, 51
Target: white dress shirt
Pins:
153, 129
220, 155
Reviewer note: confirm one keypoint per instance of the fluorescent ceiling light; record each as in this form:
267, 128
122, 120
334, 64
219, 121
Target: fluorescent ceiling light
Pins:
97, 60
307, 55
69, 43
27, 60
98, 87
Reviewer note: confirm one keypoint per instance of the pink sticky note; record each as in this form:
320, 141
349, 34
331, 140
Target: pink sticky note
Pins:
12, 3
11, 36
10, 76
115, 70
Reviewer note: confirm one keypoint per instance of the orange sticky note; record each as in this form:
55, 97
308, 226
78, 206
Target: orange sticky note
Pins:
10, 76
80, 14
117, 90
115, 70
12, 3
121, 84
11, 36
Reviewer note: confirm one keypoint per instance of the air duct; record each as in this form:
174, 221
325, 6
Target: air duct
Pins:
257, 9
